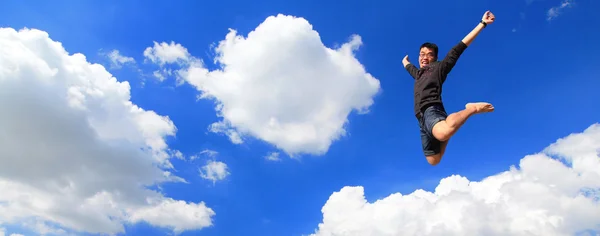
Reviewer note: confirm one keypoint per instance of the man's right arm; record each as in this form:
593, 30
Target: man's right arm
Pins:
412, 70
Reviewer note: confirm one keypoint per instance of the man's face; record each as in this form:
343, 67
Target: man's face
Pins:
426, 56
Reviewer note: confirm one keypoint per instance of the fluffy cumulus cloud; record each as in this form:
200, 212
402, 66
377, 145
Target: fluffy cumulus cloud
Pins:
75, 152
543, 197
164, 54
214, 171
281, 84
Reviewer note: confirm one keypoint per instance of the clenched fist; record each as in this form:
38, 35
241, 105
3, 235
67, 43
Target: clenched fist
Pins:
405, 60
488, 17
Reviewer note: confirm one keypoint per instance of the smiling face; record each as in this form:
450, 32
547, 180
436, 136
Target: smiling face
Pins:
427, 54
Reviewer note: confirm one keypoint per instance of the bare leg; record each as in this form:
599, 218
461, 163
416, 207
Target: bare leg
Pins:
435, 159
443, 130
443, 147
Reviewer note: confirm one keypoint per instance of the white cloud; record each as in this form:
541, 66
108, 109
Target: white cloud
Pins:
282, 85
543, 197
273, 156
166, 53
3, 233
206, 152
162, 75
75, 152
556, 11
163, 53
178, 154
117, 60
175, 213
214, 171
209, 153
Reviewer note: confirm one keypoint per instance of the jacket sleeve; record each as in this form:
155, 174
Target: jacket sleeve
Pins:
412, 70
452, 57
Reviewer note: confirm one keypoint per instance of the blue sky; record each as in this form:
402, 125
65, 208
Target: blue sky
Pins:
541, 75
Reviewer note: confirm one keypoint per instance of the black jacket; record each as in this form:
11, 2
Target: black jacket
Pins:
429, 79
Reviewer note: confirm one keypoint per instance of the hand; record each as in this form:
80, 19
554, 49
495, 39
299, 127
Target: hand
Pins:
488, 17
405, 60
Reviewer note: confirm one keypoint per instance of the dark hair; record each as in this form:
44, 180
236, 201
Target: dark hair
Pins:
432, 47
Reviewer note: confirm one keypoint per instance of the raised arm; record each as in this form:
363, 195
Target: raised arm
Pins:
453, 55
488, 18
412, 69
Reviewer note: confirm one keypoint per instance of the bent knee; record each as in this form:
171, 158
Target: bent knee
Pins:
434, 159
441, 132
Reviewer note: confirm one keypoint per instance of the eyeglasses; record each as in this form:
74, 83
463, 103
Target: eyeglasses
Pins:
426, 55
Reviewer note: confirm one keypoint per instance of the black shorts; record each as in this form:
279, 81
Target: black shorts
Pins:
431, 116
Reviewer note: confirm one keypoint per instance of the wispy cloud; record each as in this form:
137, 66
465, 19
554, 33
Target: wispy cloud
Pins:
273, 156
557, 10
117, 60
551, 13
206, 152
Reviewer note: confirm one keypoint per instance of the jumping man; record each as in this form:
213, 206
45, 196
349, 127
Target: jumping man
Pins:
436, 126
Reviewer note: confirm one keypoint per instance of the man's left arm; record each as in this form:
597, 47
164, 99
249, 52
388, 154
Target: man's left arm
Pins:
454, 53
452, 57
